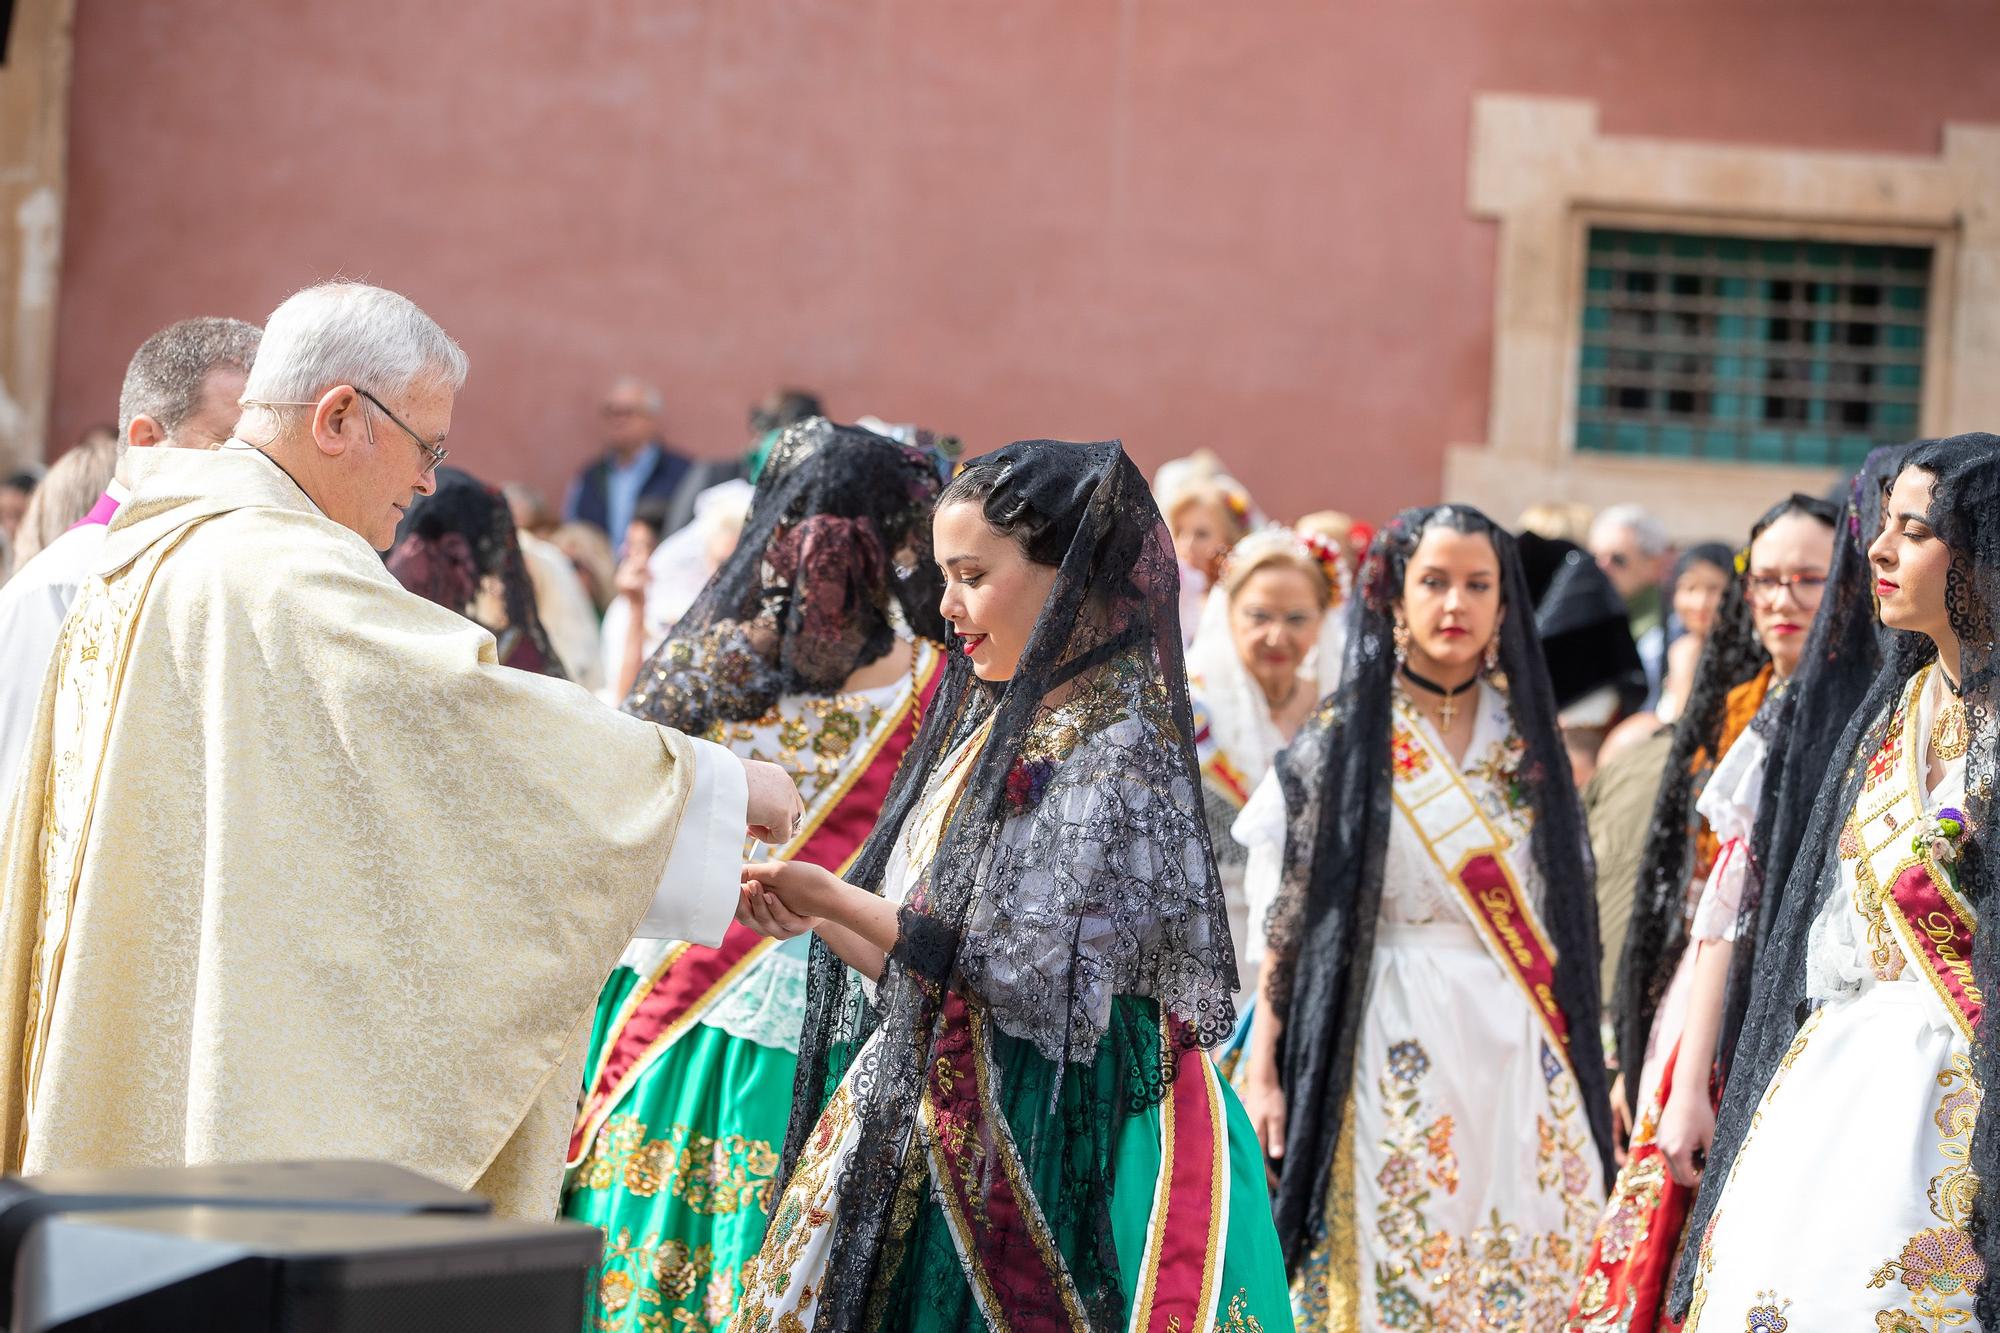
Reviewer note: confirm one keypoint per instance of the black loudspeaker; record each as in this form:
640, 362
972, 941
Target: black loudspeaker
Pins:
315, 1247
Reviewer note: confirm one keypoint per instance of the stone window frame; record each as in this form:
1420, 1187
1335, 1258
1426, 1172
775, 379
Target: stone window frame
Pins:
1541, 168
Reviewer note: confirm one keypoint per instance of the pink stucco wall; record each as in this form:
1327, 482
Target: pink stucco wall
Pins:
1182, 222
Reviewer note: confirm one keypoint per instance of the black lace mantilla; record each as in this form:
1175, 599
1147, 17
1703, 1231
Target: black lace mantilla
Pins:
1965, 513
452, 544
1072, 882
836, 547
1843, 652
1337, 783
1657, 934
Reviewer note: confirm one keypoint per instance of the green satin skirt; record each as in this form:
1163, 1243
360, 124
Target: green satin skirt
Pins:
679, 1177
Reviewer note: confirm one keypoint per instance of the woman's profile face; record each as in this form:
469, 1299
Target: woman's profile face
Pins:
1451, 600
1911, 560
993, 593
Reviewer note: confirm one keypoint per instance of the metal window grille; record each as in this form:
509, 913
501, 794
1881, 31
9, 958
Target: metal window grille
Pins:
1741, 349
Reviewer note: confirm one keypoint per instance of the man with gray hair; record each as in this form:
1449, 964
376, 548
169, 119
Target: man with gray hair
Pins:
181, 391
294, 868
1634, 551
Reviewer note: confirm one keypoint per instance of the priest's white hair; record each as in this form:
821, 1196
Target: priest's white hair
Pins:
350, 333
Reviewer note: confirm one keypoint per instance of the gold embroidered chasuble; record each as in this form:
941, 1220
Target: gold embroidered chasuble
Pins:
295, 869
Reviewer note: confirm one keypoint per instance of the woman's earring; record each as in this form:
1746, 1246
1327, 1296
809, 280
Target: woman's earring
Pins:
1399, 634
1491, 663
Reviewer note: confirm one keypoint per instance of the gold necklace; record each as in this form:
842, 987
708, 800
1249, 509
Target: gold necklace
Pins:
1950, 737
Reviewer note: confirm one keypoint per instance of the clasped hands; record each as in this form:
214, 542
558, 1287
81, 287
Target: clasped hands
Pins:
782, 899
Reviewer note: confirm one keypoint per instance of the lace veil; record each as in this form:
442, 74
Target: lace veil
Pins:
836, 549
1657, 934
1842, 654
1337, 785
1965, 513
1074, 867
453, 540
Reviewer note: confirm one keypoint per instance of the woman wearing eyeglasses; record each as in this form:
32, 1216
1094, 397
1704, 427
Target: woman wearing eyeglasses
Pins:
1692, 878
1268, 650
1854, 1147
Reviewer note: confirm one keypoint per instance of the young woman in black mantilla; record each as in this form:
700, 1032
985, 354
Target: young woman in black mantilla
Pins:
1005, 1117
1425, 1062
1694, 881
1843, 1182
812, 647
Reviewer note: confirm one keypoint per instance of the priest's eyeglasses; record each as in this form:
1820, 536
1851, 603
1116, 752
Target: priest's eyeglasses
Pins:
434, 453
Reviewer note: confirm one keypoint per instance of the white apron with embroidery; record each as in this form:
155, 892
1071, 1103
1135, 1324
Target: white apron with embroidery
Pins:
1474, 1183
1847, 1203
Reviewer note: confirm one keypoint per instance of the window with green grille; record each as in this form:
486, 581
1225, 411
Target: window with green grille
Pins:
1742, 349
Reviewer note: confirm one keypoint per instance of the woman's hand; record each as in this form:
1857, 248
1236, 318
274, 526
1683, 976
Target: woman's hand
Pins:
1687, 1128
786, 898
801, 888
765, 914
633, 578
1621, 1120
1264, 1102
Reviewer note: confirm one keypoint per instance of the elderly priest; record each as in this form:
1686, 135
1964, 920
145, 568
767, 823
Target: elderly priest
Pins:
293, 868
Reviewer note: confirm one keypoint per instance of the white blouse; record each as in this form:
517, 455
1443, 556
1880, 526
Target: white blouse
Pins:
1729, 804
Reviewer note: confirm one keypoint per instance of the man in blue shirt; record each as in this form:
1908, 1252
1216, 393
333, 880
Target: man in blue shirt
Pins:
637, 463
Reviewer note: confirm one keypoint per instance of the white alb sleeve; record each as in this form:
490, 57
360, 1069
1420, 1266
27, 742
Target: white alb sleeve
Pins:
697, 893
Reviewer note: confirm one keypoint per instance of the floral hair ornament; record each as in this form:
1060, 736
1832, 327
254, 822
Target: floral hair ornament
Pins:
1328, 556
1742, 561
1377, 581
1277, 539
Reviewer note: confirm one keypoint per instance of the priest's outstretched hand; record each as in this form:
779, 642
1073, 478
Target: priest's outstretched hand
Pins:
775, 811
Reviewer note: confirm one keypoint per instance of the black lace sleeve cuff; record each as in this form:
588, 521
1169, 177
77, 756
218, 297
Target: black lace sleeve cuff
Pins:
924, 945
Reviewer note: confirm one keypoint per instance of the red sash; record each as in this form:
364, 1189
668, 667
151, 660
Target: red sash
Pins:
1228, 779
1900, 888
1182, 1265
1638, 1238
1469, 849
690, 979
1497, 909
1937, 927
999, 1230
